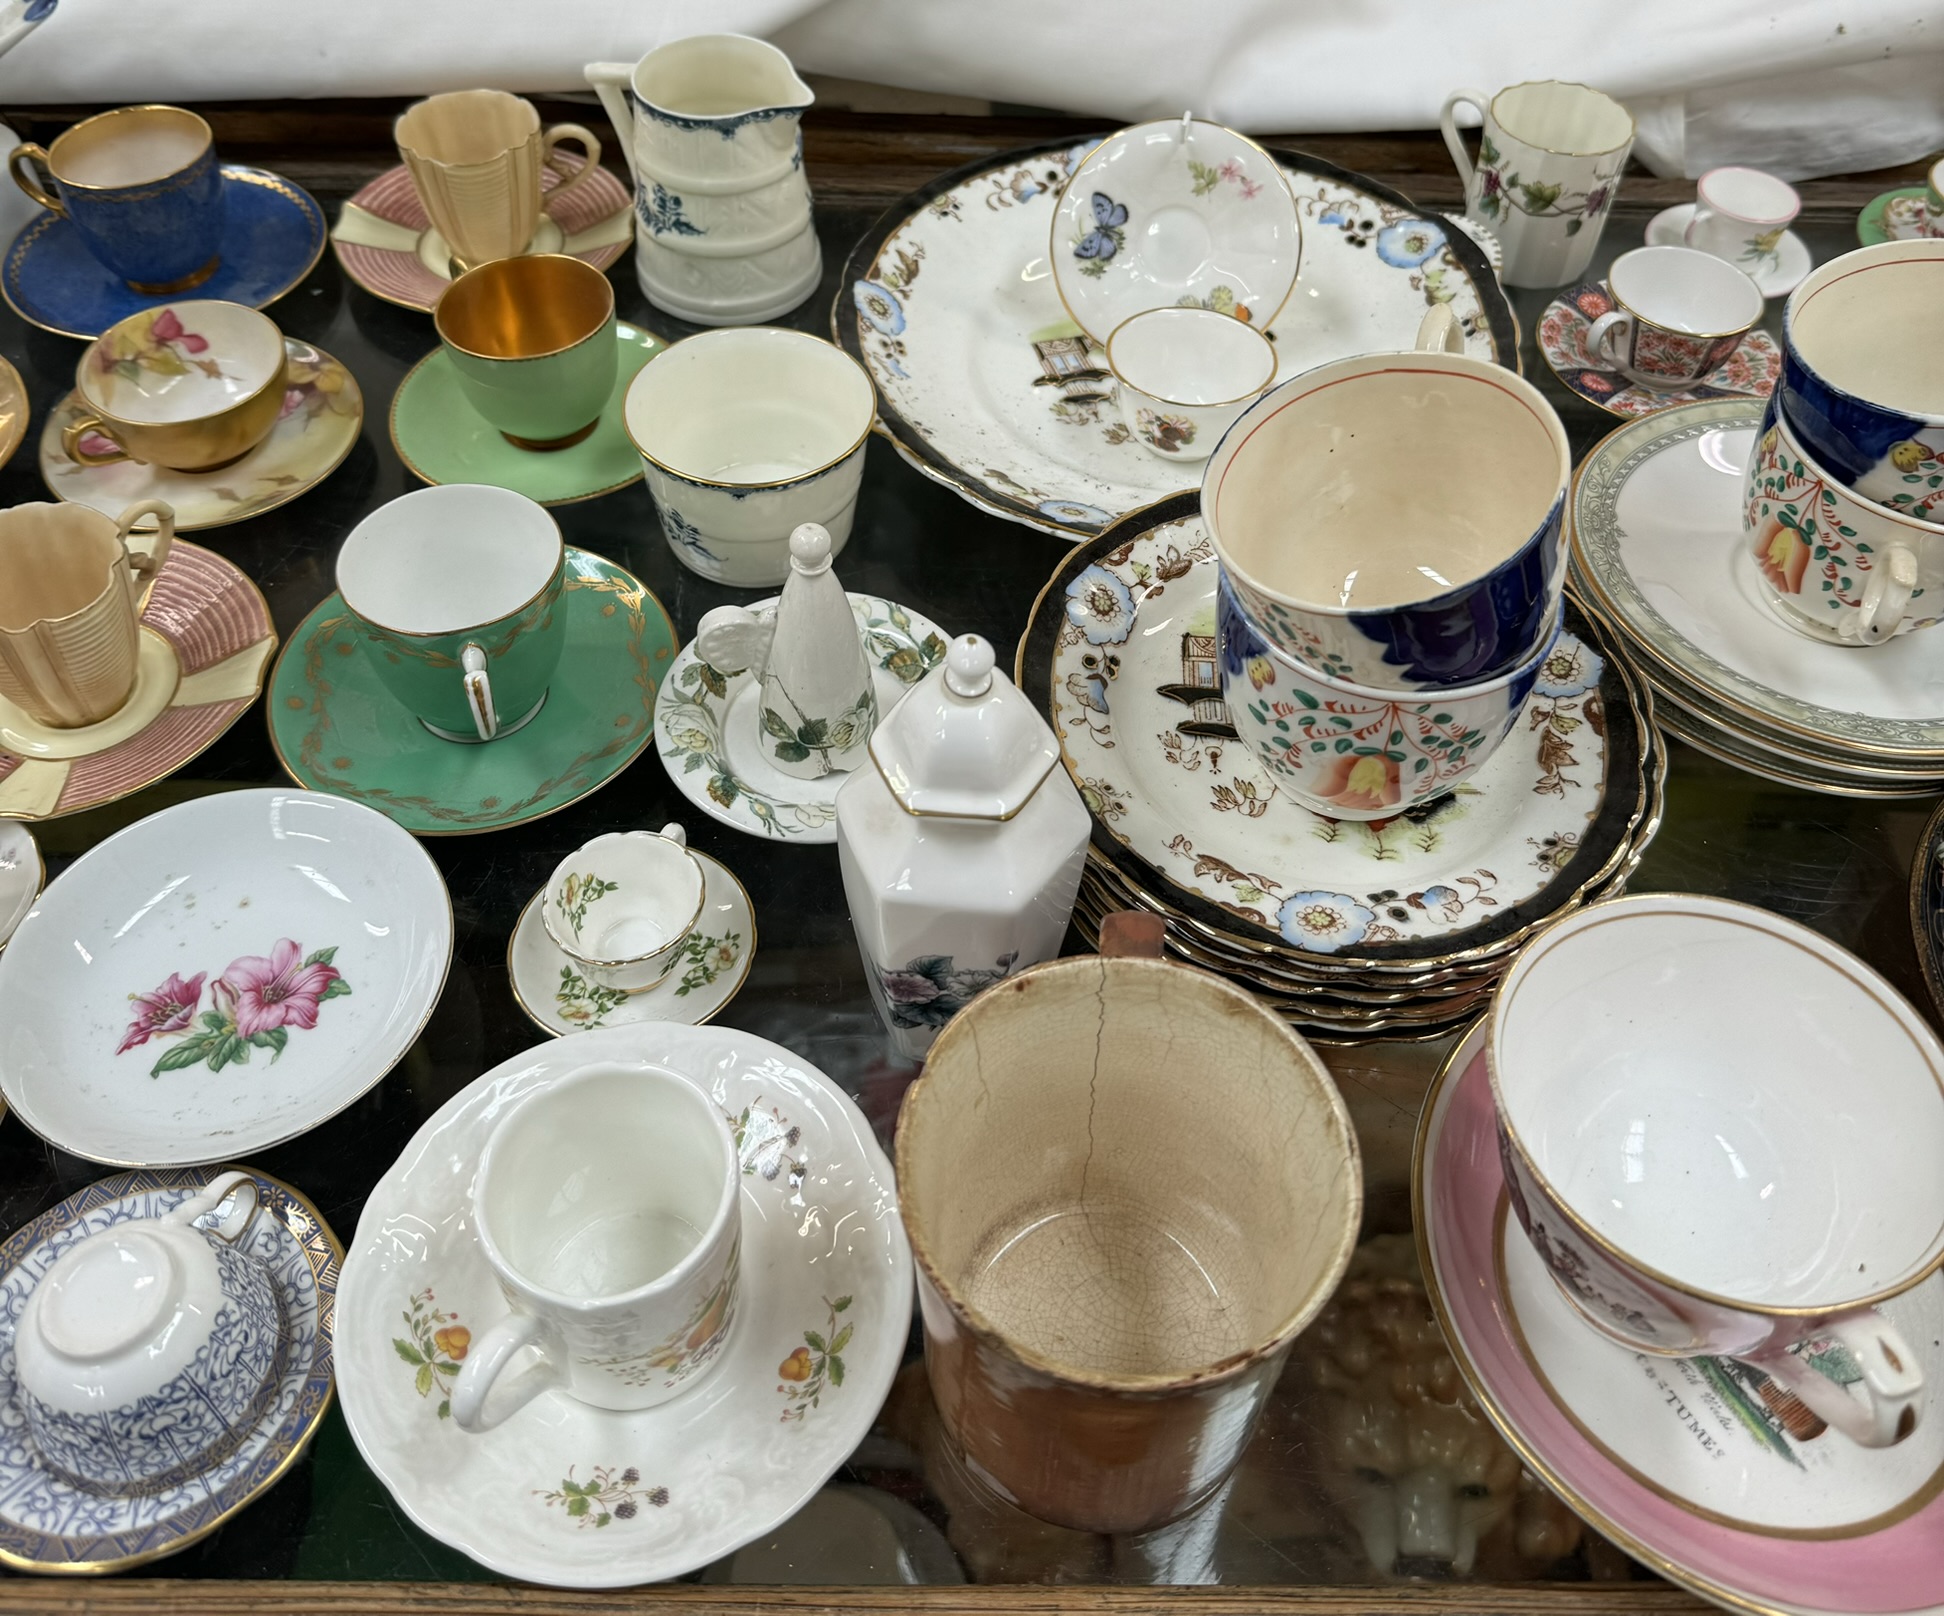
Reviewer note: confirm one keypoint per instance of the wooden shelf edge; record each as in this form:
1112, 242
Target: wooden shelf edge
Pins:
159, 1597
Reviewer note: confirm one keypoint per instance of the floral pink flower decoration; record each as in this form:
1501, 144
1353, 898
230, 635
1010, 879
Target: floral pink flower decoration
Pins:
280, 991
168, 328
167, 1009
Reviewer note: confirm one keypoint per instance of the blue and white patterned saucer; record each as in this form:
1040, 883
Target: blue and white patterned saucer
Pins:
273, 237
47, 1523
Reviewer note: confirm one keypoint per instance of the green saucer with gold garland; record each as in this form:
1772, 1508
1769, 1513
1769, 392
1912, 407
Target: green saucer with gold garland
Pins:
337, 729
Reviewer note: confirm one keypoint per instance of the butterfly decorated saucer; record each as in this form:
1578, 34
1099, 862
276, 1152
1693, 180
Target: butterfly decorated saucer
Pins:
1749, 372
323, 412
1777, 272
1700, 1467
385, 241
206, 639
443, 439
22, 875
198, 942
710, 970
710, 736
1179, 211
50, 1525
273, 235
336, 727
575, 1496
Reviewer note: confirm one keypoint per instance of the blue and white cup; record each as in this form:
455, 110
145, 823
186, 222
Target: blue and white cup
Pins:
143, 188
148, 1349
1395, 520
1349, 752
1863, 373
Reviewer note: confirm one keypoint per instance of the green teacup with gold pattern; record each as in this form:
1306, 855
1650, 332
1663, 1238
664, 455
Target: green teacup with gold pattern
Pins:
458, 591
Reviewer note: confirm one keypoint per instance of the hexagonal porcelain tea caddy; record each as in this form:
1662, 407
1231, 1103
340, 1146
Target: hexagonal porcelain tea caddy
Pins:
961, 848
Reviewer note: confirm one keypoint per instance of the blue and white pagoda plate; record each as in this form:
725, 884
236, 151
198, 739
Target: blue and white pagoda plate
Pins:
986, 384
47, 1523
273, 235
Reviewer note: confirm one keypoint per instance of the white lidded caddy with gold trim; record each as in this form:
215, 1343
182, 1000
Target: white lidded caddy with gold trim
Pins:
961, 846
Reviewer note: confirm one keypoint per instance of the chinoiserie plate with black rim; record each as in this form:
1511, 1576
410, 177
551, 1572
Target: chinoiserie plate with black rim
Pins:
206, 638
1693, 1466
22, 875
1751, 371
323, 413
663, 1490
1927, 907
47, 1524
987, 385
220, 977
273, 235
336, 727
708, 972
1120, 650
709, 732
1657, 545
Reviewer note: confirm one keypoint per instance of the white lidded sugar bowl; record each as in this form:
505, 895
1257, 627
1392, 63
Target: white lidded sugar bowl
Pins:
961, 847
148, 1349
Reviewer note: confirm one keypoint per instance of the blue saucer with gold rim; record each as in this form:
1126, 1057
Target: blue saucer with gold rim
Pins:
273, 235
336, 727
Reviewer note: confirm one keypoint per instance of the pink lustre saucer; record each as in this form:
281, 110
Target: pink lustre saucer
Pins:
1749, 372
1701, 1468
385, 242
206, 639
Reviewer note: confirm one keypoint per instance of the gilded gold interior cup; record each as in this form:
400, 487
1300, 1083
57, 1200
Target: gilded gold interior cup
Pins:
532, 342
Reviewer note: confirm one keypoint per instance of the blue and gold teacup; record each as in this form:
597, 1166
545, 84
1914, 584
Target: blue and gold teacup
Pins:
143, 188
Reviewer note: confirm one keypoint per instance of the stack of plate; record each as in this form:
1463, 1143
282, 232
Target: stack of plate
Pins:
1397, 928
1658, 556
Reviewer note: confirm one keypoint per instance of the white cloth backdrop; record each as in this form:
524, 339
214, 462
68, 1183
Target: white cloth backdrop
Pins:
1802, 87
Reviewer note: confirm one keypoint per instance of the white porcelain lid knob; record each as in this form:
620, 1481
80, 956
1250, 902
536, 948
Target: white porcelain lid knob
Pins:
110, 1293
810, 548
968, 666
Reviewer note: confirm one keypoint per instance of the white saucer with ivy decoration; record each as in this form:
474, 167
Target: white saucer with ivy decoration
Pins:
574, 1496
708, 726
712, 966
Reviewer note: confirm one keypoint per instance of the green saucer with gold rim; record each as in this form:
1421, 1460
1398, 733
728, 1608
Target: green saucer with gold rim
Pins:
443, 439
1894, 216
337, 729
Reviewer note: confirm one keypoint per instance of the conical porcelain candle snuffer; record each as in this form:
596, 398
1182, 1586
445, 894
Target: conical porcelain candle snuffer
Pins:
961, 846
818, 709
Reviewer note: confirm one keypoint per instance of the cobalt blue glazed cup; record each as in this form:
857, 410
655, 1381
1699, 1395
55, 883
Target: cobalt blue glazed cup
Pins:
142, 187
1862, 382
1396, 520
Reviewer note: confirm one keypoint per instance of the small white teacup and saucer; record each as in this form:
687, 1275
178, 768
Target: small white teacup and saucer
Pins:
1741, 216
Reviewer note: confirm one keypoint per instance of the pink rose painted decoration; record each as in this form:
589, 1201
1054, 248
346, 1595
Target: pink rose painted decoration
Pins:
253, 1004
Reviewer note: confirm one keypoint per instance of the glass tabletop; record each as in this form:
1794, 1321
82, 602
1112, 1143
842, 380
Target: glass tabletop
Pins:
1412, 1487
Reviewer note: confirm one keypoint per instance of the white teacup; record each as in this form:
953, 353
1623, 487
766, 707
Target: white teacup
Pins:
1740, 215
607, 1208
1721, 1133
622, 906
1185, 374
1679, 313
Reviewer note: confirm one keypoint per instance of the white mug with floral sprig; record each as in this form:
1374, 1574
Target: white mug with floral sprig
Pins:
1549, 162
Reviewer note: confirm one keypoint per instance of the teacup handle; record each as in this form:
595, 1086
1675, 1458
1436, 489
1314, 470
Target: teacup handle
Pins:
732, 638
479, 691
610, 81
672, 832
25, 178
1701, 215
75, 431
1440, 331
591, 149
1892, 1381
1880, 613
211, 1196
145, 552
490, 1355
1449, 126
1600, 332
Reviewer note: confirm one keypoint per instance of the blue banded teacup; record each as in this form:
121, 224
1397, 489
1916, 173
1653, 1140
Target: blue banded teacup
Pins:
143, 188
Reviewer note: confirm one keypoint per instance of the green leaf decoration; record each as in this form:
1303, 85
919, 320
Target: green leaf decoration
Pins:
323, 956
445, 1408
712, 681
273, 1039
577, 1505
840, 1305
338, 988
723, 790
424, 1380
815, 1341
790, 751
190, 1052
815, 732
841, 1339
215, 1021
602, 1519
776, 724
1573, 225
407, 1351
836, 1371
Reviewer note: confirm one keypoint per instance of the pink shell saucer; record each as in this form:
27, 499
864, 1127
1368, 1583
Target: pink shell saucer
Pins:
1749, 372
401, 276
1499, 1318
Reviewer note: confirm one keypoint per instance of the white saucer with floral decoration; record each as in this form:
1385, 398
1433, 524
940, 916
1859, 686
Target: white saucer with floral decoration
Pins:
712, 967
576, 1496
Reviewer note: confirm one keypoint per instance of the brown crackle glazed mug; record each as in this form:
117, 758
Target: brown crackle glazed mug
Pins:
1129, 1187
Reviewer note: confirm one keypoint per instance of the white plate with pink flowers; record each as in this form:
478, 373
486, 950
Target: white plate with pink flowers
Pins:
220, 977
